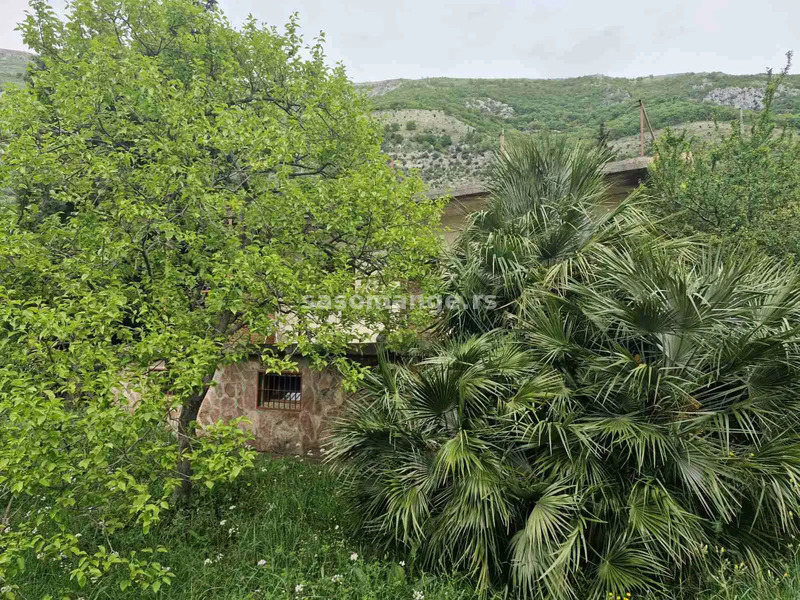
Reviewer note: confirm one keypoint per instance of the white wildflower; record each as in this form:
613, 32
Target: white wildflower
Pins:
402, 563
223, 522
298, 589
353, 556
232, 507
418, 595
337, 579
207, 561
262, 562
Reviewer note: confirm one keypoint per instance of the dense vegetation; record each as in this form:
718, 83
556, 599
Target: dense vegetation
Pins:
579, 105
472, 113
290, 514
742, 190
617, 416
177, 188
622, 421
278, 532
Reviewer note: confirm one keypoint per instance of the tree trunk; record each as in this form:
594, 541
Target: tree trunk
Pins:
187, 426
187, 430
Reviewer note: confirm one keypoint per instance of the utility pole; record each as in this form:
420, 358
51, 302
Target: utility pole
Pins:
643, 118
641, 128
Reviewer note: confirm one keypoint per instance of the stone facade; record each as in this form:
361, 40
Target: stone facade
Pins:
235, 394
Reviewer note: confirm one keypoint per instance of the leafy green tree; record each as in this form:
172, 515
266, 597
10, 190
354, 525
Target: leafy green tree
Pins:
625, 421
743, 189
180, 189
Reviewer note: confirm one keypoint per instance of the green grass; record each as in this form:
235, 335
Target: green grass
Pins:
288, 512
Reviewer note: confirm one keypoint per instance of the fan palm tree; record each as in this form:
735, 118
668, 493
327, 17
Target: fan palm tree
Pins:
622, 426
548, 209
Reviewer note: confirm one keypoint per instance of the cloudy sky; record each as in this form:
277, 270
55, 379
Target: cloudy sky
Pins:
384, 39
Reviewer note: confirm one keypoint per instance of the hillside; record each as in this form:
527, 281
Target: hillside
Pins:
447, 128
12, 66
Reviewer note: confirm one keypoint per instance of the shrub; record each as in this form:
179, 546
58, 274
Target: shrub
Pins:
743, 188
622, 421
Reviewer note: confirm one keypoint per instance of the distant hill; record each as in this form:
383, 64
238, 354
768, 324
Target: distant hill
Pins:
447, 128
12, 66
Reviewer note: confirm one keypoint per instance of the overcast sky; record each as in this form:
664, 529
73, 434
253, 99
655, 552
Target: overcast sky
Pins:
385, 39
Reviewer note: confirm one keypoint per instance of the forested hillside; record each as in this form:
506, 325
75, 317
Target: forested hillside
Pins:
447, 127
12, 66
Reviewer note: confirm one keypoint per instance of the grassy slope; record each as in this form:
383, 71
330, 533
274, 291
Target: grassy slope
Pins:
288, 513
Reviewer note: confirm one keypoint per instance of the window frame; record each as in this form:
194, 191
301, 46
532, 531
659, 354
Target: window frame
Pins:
262, 375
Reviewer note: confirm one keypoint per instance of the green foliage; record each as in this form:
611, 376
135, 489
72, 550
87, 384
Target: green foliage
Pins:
436, 142
72, 451
180, 187
603, 136
624, 421
576, 106
743, 189
525, 246
291, 514
286, 513
411, 125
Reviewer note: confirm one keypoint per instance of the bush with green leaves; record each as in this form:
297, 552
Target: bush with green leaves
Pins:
742, 191
624, 420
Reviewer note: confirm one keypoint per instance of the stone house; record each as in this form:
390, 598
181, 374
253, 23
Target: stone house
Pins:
290, 413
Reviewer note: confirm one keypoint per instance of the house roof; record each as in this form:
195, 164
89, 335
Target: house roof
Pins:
629, 168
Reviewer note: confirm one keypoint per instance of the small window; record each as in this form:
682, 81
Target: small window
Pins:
279, 391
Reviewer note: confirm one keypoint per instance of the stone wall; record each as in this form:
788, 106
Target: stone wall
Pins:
281, 431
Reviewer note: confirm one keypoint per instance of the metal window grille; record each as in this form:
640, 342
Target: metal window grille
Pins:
282, 391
